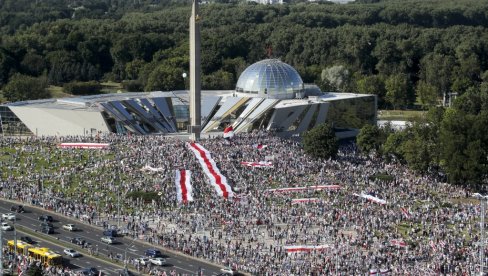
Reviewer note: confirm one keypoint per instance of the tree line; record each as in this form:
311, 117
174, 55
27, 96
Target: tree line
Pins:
408, 52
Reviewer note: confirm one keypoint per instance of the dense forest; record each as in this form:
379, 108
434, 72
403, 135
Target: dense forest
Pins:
411, 53
407, 52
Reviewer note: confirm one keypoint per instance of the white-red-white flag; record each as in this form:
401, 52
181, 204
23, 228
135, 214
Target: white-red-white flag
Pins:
229, 132
183, 186
84, 145
259, 146
259, 164
399, 243
405, 212
217, 180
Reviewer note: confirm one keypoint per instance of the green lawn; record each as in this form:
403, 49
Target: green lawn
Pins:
399, 115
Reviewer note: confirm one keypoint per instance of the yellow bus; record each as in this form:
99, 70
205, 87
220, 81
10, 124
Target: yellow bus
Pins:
22, 247
45, 256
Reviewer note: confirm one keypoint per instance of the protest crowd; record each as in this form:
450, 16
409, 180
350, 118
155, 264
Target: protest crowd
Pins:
403, 224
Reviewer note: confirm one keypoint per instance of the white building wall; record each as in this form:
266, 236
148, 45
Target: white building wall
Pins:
50, 122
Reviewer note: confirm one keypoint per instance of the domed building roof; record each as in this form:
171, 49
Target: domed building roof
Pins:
270, 78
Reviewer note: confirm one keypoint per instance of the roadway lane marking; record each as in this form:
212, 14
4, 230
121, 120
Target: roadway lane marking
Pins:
181, 268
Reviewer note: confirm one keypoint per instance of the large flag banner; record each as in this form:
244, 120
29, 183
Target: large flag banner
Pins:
405, 212
260, 164
148, 168
398, 243
229, 132
372, 198
183, 186
84, 145
259, 146
304, 248
218, 181
301, 189
304, 200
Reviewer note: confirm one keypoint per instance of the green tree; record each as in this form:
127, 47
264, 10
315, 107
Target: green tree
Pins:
321, 142
397, 90
336, 77
371, 138
373, 84
22, 88
427, 94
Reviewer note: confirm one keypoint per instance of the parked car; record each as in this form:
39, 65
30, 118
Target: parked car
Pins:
70, 227
6, 227
157, 261
8, 216
46, 218
78, 241
27, 240
47, 230
142, 261
110, 233
108, 240
153, 253
17, 208
71, 252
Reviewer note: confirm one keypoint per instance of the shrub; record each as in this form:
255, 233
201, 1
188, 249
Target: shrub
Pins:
82, 88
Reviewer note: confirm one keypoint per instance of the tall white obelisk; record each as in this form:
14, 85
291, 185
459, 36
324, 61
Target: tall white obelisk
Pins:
195, 71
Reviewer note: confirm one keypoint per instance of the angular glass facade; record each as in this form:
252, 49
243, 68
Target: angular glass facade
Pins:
352, 113
270, 78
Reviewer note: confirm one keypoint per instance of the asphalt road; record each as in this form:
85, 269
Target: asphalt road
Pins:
29, 222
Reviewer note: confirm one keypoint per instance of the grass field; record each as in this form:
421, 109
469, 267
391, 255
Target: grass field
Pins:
399, 115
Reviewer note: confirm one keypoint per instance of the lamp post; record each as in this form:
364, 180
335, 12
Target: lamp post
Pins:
483, 199
125, 256
184, 75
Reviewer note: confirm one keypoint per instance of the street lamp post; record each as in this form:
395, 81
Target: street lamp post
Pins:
125, 256
483, 199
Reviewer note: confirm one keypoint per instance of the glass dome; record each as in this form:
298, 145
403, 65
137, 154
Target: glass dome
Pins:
270, 78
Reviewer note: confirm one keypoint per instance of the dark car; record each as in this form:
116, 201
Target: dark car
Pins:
78, 241
17, 209
46, 224
90, 271
27, 240
46, 218
47, 230
153, 253
110, 233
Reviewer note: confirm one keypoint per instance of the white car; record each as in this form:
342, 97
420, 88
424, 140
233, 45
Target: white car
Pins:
157, 261
228, 271
69, 227
142, 261
108, 240
72, 253
8, 216
6, 227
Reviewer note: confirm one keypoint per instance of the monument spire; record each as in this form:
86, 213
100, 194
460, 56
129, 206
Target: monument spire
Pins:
195, 72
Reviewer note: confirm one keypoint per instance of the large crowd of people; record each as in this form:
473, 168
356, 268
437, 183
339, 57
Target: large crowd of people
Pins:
426, 227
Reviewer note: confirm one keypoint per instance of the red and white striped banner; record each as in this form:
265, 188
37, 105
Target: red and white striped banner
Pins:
183, 186
260, 164
210, 168
304, 200
399, 243
405, 212
304, 248
301, 189
83, 145
259, 146
372, 198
